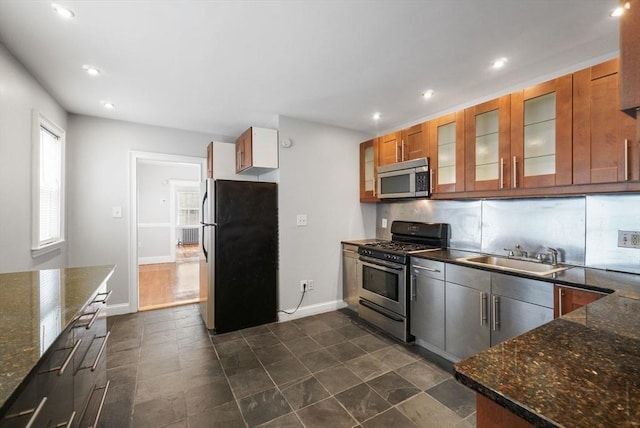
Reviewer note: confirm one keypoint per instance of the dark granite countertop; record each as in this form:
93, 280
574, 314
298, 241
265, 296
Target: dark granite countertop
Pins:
581, 370
35, 307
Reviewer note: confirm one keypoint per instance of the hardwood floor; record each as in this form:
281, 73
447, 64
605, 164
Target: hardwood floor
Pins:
170, 284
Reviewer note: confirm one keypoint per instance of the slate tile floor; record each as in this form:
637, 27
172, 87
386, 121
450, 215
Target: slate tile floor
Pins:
323, 370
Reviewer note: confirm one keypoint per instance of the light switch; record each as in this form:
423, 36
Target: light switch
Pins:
116, 212
301, 220
384, 223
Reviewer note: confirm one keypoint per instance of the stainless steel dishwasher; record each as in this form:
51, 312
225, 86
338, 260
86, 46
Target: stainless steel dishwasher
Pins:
351, 272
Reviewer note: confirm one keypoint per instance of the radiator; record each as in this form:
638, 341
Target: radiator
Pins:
188, 236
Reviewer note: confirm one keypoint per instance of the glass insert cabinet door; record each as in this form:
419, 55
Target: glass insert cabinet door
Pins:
446, 155
541, 139
487, 136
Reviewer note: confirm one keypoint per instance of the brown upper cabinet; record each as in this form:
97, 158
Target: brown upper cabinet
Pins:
604, 146
488, 145
541, 141
446, 153
368, 176
244, 151
630, 58
399, 146
257, 148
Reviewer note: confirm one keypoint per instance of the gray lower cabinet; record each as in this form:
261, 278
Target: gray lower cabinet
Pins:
350, 275
486, 308
467, 314
518, 305
427, 301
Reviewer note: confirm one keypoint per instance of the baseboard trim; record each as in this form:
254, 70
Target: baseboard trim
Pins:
305, 311
155, 260
119, 309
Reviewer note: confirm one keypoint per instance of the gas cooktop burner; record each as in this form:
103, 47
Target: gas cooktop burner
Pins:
404, 247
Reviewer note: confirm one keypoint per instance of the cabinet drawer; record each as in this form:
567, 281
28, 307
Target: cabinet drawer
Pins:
527, 290
430, 268
474, 278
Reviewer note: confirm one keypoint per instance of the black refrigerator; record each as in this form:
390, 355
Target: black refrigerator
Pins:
238, 254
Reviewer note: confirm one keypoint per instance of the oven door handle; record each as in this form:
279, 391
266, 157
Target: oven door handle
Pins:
377, 264
387, 314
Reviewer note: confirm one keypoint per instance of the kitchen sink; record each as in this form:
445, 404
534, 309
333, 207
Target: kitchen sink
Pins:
515, 265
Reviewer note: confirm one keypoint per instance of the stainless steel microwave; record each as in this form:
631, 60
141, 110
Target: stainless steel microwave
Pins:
409, 179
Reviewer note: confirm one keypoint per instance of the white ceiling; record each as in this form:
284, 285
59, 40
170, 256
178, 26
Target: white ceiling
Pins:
222, 66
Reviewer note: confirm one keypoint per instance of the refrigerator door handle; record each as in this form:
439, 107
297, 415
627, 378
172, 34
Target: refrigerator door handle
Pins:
204, 250
204, 199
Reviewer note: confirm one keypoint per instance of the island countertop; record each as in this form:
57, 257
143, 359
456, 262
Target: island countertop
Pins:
581, 370
35, 307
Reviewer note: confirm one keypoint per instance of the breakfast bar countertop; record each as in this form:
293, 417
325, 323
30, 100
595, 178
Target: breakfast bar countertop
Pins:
580, 370
35, 308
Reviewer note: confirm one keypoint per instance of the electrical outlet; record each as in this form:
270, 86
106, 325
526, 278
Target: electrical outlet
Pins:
301, 220
304, 284
628, 239
310, 285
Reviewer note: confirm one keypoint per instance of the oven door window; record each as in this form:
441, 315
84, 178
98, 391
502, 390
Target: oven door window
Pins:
380, 282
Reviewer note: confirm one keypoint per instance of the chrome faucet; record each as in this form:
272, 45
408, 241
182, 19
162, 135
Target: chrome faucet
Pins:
522, 252
554, 255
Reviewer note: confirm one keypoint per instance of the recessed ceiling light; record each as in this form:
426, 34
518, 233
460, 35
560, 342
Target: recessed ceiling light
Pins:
108, 105
91, 71
618, 11
427, 94
499, 63
63, 11
376, 116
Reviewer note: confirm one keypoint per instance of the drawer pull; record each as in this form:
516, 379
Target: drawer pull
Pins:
425, 268
102, 400
94, 366
69, 358
69, 423
33, 417
93, 319
61, 368
103, 300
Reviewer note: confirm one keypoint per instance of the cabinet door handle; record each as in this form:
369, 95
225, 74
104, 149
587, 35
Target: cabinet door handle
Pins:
515, 172
560, 302
626, 159
91, 321
502, 173
35, 412
402, 142
483, 308
431, 181
412, 285
496, 312
396, 152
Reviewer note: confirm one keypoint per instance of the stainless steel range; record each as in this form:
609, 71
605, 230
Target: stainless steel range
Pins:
383, 298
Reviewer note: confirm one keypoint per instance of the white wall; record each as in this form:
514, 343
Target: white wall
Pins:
319, 177
156, 244
98, 164
20, 94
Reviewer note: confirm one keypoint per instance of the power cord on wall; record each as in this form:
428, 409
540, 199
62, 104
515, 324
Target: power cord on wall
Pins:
304, 291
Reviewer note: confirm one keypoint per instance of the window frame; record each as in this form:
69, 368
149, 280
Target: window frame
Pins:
38, 247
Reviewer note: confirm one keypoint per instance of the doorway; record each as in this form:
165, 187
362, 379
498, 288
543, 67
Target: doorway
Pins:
165, 230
